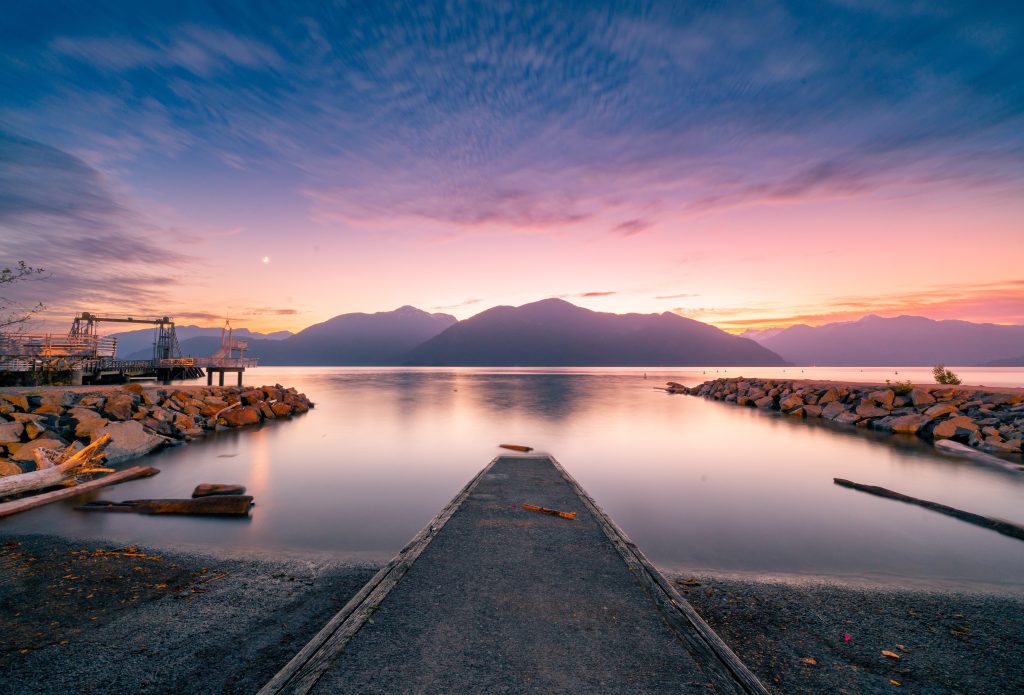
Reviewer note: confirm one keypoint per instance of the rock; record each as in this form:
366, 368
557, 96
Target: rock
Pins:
765, 402
944, 430
797, 411
26, 452
239, 417
908, 424
34, 429
943, 394
267, 411
847, 418
19, 402
867, 409
284, 410
11, 432
941, 409
829, 396
883, 398
85, 428
833, 410
119, 407
127, 440
790, 402
813, 410
9, 468
252, 397
134, 389
49, 408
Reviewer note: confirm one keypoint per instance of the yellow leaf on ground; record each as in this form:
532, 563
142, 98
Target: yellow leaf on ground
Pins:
809, 660
891, 655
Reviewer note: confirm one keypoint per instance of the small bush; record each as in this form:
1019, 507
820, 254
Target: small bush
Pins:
945, 376
900, 388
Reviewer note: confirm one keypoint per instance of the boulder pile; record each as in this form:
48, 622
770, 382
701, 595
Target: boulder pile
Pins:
138, 419
991, 422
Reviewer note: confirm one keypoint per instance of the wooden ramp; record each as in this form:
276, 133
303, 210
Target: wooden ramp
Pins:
492, 598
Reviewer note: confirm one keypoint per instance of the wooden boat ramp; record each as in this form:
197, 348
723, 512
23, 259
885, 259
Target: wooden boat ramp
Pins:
491, 597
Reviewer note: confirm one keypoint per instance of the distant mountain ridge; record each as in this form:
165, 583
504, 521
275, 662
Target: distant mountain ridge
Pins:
906, 341
550, 332
553, 332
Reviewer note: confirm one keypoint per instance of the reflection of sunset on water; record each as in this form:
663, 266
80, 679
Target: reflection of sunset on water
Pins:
384, 449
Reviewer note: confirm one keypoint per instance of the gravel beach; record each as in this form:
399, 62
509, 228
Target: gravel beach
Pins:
93, 617
948, 642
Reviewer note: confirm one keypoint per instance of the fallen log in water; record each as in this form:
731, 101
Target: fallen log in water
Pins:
53, 474
213, 489
1004, 527
221, 505
9, 508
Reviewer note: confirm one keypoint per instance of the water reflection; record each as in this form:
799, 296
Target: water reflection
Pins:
698, 484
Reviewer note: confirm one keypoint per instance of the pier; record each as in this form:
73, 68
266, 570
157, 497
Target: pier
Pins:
492, 597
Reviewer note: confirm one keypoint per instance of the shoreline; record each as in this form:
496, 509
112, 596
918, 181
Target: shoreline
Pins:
93, 616
138, 419
985, 424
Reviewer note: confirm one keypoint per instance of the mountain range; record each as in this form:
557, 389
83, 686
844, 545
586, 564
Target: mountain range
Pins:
550, 332
905, 341
553, 332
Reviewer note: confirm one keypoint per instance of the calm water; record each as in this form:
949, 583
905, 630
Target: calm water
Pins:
698, 485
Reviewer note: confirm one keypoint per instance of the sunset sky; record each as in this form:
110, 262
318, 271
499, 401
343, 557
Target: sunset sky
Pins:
748, 164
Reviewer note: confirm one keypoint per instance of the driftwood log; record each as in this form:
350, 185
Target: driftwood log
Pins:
1004, 527
53, 475
26, 503
213, 489
220, 505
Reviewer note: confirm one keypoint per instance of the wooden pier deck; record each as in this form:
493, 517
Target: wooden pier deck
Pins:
492, 598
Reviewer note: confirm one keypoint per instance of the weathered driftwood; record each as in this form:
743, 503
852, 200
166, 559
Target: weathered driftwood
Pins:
25, 503
516, 447
213, 489
52, 475
998, 525
231, 505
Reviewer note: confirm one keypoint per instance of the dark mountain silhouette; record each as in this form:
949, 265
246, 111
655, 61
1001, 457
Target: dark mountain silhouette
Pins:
553, 332
383, 338
138, 344
903, 341
1007, 362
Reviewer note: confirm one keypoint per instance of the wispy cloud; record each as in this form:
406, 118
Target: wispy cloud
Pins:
468, 302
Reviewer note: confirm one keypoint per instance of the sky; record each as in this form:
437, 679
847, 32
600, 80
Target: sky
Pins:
747, 164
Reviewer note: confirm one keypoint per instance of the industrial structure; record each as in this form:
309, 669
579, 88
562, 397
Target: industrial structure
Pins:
83, 356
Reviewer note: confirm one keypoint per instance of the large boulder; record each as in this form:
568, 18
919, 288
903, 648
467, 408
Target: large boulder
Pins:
833, 410
868, 409
883, 398
908, 424
9, 468
27, 451
944, 430
119, 406
11, 432
128, 440
19, 402
239, 417
941, 409
921, 397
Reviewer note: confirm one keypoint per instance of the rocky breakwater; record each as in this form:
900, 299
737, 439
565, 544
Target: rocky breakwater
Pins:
138, 419
989, 421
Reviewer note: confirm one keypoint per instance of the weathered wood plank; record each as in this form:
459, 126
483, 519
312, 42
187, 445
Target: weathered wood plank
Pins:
21, 505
